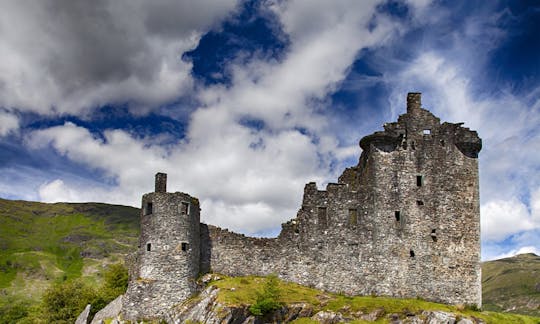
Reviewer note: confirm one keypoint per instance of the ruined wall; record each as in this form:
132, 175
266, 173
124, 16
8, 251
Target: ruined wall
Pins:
167, 262
404, 222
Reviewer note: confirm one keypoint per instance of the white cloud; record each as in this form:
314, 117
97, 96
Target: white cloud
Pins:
60, 57
9, 123
501, 219
247, 179
521, 250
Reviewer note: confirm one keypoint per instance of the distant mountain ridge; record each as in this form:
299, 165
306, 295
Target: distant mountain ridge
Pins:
512, 284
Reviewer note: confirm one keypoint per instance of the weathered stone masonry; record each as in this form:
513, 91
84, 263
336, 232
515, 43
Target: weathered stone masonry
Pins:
404, 222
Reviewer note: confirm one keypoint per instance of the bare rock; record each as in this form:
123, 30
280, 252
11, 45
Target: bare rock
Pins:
438, 317
325, 317
83, 317
112, 310
373, 316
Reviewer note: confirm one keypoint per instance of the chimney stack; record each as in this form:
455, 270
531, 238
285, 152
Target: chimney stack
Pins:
161, 182
414, 101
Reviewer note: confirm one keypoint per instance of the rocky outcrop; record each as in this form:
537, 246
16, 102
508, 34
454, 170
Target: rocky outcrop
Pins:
206, 308
112, 310
83, 317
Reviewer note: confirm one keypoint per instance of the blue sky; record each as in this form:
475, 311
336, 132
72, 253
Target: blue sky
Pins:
243, 102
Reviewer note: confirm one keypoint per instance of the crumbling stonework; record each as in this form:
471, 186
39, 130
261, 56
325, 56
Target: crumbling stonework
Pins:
404, 222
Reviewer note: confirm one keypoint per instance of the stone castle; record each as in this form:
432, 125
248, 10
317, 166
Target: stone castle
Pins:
404, 222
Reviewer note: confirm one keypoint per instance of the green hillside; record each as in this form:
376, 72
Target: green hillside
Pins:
512, 284
45, 243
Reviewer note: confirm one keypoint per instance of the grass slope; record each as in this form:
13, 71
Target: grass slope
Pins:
512, 284
43, 243
240, 291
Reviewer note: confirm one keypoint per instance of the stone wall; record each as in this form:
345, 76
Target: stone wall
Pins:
404, 222
167, 262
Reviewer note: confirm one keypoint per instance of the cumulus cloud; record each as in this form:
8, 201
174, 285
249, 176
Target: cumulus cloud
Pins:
503, 218
248, 178
70, 56
9, 123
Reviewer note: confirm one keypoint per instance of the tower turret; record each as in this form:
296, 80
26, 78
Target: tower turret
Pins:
168, 256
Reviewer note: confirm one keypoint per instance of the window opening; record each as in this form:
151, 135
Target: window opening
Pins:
148, 209
184, 246
353, 217
434, 235
420, 203
411, 253
442, 142
419, 181
148, 247
397, 215
322, 217
427, 132
412, 146
184, 208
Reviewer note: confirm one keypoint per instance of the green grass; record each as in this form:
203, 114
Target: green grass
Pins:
242, 291
511, 284
45, 243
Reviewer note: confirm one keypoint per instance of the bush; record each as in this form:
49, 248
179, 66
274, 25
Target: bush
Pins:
268, 299
116, 281
63, 302
13, 311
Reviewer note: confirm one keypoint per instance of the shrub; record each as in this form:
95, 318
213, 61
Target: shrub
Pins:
13, 311
269, 299
116, 281
63, 302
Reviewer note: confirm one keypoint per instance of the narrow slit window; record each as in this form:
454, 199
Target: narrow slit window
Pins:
419, 181
434, 235
353, 217
397, 215
322, 217
427, 131
184, 208
185, 246
411, 253
148, 209
419, 203
148, 247
412, 146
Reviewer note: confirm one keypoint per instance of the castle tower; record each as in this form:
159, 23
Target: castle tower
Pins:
167, 262
405, 221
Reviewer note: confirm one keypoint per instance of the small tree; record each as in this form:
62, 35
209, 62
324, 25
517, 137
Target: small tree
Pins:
269, 299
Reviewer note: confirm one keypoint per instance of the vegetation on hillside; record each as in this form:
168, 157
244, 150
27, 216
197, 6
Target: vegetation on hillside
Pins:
238, 291
46, 245
512, 284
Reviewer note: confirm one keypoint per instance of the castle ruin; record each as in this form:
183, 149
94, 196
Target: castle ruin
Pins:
404, 222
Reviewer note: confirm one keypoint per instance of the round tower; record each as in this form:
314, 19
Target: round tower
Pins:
167, 262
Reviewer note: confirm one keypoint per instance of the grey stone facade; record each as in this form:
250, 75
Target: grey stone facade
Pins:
164, 270
404, 222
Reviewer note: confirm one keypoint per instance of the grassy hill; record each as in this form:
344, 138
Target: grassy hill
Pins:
45, 243
512, 284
